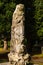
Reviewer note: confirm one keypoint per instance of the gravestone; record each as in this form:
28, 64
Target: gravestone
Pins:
18, 54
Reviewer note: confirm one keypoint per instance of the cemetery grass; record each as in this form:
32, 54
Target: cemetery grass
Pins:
38, 56
4, 55
2, 51
3, 60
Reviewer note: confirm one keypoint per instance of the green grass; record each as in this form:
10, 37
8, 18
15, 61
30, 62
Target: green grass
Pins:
36, 63
38, 55
2, 51
39, 63
3, 60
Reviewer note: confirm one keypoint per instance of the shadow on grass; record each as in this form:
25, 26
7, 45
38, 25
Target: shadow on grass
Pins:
3, 60
4, 57
30, 64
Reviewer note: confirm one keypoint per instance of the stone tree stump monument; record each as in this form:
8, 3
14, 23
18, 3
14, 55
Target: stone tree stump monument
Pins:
18, 55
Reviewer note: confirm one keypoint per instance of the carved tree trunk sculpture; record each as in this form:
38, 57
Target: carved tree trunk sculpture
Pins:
17, 55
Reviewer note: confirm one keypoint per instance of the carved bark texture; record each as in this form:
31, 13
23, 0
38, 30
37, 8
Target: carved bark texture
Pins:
17, 54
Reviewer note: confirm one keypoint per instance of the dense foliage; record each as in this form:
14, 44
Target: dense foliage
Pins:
6, 10
38, 4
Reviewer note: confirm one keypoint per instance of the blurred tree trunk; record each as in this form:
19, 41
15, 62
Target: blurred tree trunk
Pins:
5, 44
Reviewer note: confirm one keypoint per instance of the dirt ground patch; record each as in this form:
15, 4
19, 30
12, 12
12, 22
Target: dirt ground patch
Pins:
37, 58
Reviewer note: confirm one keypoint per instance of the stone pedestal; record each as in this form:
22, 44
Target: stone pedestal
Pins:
18, 55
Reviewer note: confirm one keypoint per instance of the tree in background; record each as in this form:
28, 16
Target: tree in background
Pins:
6, 10
38, 4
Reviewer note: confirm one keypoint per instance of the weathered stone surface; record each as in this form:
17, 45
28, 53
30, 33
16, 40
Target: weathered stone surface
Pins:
17, 55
